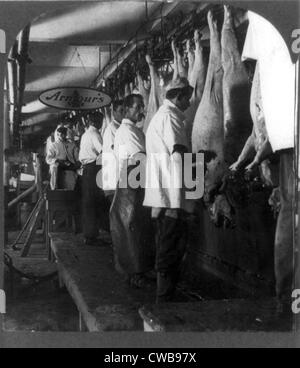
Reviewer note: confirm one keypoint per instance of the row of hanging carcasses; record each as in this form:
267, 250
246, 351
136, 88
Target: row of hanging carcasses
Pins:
226, 114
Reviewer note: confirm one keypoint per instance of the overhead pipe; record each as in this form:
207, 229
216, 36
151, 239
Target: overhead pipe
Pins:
125, 52
10, 98
6, 110
22, 60
12, 86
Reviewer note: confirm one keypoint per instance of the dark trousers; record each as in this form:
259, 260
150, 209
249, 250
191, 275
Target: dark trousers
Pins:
284, 229
78, 206
109, 195
94, 208
131, 231
171, 238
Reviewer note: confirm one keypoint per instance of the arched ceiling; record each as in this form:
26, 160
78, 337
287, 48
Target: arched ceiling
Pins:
71, 45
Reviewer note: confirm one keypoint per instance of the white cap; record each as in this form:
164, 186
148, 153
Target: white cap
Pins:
178, 83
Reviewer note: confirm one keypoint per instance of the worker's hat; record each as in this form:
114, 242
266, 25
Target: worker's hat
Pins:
178, 83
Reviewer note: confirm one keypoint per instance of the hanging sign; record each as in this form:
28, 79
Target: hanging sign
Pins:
74, 98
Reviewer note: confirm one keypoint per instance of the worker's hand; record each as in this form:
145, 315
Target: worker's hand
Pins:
148, 59
63, 163
251, 169
78, 165
274, 201
235, 166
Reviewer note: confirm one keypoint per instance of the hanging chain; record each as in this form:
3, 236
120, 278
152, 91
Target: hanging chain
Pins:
78, 54
65, 71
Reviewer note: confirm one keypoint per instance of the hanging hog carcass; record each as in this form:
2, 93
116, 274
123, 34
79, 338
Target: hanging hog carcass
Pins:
180, 66
236, 92
208, 129
156, 93
158, 82
143, 89
196, 77
258, 138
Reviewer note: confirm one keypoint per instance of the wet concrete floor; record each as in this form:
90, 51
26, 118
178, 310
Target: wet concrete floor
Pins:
32, 305
43, 306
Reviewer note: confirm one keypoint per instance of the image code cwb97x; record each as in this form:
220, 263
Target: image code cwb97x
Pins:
150, 166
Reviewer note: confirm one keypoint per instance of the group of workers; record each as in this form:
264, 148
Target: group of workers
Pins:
147, 224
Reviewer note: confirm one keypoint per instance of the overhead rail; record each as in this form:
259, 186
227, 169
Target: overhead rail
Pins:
167, 25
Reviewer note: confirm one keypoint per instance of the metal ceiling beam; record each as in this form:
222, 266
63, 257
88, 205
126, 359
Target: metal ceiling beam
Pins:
164, 10
84, 43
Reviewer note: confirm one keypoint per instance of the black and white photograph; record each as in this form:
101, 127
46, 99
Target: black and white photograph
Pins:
150, 169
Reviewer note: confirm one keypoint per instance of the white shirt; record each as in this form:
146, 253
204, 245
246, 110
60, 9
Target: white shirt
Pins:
108, 180
277, 79
90, 146
109, 136
54, 137
61, 151
165, 130
49, 142
129, 141
256, 109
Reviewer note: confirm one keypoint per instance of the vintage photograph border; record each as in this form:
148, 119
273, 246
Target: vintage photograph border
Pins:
14, 15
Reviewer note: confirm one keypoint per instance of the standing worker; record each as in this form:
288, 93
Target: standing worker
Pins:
277, 81
109, 184
130, 221
62, 157
92, 195
166, 142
